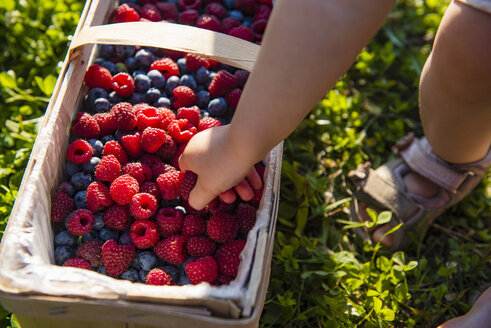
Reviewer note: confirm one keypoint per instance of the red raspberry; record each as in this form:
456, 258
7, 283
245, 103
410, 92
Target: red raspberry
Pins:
168, 10
222, 83
188, 182
172, 249
228, 259
143, 206
216, 9
91, 251
98, 197
233, 98
241, 77
246, 215
139, 107
193, 225
182, 131
166, 66
189, 4
123, 115
132, 144
208, 122
242, 32
263, 12
200, 246
260, 169
229, 23
248, 7
169, 184
114, 148
117, 258
85, 126
193, 62
77, 262
169, 221
202, 270
217, 206
107, 123
123, 84
183, 97
168, 149
152, 139
161, 168
98, 77
123, 188
169, 116
144, 234
192, 211
175, 159
256, 199
258, 28
61, 206
209, 22
266, 2
79, 152
192, 114
149, 117
173, 54
125, 13
214, 65
151, 13
188, 17
150, 160
222, 227
159, 277
117, 217
139, 171
223, 280
108, 168
151, 188
80, 222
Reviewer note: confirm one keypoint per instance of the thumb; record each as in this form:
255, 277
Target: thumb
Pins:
199, 196
183, 162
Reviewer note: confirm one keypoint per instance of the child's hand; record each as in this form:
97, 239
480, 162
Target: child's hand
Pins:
220, 166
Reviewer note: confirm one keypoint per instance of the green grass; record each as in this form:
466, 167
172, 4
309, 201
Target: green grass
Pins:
323, 275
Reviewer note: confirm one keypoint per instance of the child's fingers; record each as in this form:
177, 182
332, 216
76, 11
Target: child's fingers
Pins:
199, 197
254, 179
244, 190
228, 196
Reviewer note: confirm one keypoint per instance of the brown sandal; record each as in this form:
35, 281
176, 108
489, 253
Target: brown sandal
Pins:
384, 187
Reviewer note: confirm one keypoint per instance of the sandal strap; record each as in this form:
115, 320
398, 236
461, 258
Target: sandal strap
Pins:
423, 161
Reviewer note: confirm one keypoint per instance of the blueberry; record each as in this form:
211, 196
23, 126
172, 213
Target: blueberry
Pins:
173, 271
107, 138
181, 63
125, 51
131, 63
217, 106
81, 199
136, 98
99, 61
125, 239
247, 22
114, 98
163, 102
63, 253
97, 146
91, 235
118, 134
106, 233
131, 275
101, 105
143, 274
64, 238
152, 95
136, 72
147, 260
95, 94
90, 166
188, 81
203, 97
156, 78
102, 270
236, 14
135, 264
142, 83
98, 221
201, 75
184, 280
144, 58
110, 66
81, 180
106, 51
204, 113
211, 76
171, 83
67, 188
230, 4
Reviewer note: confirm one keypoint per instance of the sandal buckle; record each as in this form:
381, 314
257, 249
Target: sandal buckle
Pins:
403, 143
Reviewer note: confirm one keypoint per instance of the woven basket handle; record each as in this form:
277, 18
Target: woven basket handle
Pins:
217, 46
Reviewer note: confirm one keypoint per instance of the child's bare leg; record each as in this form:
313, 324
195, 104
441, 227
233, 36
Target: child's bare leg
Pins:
455, 94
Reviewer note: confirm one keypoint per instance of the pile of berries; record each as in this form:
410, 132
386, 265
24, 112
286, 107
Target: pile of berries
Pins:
122, 209
245, 19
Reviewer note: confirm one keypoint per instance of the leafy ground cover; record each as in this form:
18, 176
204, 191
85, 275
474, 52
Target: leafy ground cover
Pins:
323, 275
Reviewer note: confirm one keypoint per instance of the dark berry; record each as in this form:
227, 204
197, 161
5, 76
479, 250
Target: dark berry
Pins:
114, 98
125, 51
64, 238
106, 51
101, 105
131, 63
142, 83
202, 75
90, 166
91, 235
171, 83
217, 106
81, 180
67, 188
151, 96
81, 199
157, 79
98, 221
144, 58
136, 98
106, 233
188, 81
97, 146
125, 238
203, 98
147, 260
111, 67
131, 275
163, 102
63, 253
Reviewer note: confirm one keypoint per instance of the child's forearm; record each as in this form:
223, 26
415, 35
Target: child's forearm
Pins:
308, 45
